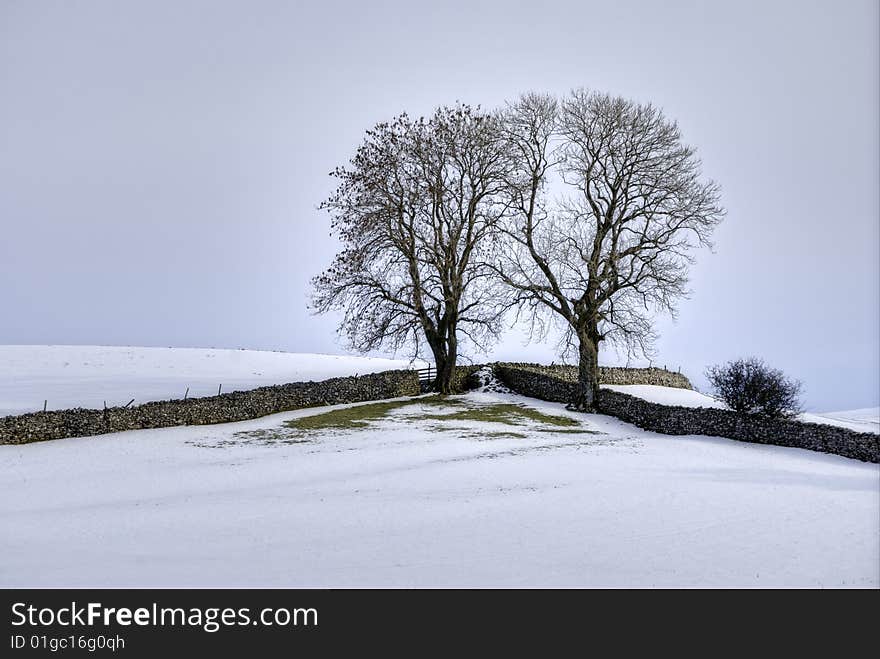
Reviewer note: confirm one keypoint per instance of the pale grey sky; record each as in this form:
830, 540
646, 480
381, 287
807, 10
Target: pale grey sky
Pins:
161, 162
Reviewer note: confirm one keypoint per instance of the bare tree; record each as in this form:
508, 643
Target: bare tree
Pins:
616, 248
414, 211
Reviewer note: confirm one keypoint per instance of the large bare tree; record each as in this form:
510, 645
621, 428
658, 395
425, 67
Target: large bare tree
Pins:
415, 210
615, 248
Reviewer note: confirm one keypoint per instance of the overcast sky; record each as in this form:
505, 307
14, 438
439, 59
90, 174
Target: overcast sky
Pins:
161, 162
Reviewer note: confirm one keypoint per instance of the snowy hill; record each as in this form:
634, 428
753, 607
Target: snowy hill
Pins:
489, 497
86, 376
489, 488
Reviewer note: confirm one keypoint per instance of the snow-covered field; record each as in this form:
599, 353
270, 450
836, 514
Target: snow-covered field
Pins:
86, 376
666, 395
427, 495
866, 419
416, 500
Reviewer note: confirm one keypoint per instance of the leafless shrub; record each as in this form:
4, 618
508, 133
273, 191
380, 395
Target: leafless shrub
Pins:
750, 386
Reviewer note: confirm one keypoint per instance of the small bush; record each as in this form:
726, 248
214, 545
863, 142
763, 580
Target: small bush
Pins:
752, 387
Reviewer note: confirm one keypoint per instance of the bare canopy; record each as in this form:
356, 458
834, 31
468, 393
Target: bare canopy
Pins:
415, 210
447, 222
616, 248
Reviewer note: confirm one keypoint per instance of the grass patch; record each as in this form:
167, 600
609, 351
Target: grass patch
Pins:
507, 413
473, 433
496, 435
347, 418
442, 411
360, 416
569, 431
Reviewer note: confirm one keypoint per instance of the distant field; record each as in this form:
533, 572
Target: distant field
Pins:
86, 376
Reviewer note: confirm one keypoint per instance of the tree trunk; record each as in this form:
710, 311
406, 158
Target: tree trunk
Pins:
444, 383
439, 365
444, 362
445, 371
588, 374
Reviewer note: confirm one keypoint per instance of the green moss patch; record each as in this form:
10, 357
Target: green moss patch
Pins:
507, 413
511, 414
347, 418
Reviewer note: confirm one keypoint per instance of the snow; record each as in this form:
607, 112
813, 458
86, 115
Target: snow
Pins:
489, 383
862, 420
408, 501
864, 414
666, 395
86, 376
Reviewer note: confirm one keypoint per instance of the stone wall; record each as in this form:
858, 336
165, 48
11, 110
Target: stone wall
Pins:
552, 383
674, 420
610, 374
658, 376
541, 382
234, 406
465, 377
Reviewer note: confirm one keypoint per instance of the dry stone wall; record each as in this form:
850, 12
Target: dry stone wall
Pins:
674, 420
552, 383
234, 406
608, 374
